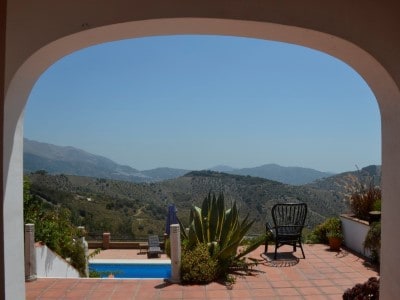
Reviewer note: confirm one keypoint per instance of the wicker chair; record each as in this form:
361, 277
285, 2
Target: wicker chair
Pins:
289, 219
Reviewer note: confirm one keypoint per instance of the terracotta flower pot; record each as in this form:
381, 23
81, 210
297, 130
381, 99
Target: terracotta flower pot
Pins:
335, 243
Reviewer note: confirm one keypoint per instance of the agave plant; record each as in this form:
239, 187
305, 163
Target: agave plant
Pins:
220, 229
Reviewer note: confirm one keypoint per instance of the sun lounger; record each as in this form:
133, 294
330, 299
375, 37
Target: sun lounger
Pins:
154, 246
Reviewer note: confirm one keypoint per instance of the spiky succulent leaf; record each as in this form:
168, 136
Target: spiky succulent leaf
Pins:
197, 224
221, 216
215, 219
252, 246
226, 226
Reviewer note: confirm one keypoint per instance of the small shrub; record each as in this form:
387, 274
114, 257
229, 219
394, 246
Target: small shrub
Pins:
197, 265
367, 290
312, 238
94, 274
319, 234
373, 241
101, 274
363, 202
331, 226
78, 258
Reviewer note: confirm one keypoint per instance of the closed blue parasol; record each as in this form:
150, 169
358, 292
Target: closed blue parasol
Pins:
171, 217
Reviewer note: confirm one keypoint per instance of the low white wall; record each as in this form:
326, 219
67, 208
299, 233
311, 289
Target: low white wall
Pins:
354, 232
49, 264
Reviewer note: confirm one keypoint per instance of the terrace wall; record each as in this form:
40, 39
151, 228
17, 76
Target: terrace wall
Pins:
49, 264
108, 243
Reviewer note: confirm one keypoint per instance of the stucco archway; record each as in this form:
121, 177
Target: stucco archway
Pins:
21, 80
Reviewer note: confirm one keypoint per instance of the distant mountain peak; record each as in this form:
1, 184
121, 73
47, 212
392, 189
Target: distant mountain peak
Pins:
288, 175
222, 168
73, 161
69, 160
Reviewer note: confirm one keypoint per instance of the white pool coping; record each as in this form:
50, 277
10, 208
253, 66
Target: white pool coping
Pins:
130, 261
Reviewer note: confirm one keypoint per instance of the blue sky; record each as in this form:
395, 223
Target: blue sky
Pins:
194, 102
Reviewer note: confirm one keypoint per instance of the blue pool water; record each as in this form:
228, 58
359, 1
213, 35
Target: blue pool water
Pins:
132, 270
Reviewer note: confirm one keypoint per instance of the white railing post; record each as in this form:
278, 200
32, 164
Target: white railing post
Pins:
30, 253
175, 238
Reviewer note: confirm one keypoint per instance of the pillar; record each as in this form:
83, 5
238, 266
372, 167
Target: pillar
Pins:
30, 253
175, 237
106, 240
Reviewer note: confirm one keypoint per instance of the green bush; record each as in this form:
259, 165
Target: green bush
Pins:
331, 226
197, 265
373, 241
78, 258
94, 273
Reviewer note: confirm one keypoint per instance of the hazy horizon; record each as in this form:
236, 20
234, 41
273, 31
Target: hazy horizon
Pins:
195, 102
219, 166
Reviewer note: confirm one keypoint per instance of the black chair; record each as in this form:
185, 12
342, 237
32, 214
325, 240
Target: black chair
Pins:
289, 219
154, 246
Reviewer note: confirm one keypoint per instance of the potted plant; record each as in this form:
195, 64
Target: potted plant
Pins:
335, 239
334, 233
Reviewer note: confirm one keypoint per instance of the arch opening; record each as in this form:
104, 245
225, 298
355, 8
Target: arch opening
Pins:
304, 111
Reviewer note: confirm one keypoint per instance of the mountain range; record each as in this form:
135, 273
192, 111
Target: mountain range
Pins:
72, 161
288, 175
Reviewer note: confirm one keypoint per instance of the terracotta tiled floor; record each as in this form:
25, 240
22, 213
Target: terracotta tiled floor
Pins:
322, 275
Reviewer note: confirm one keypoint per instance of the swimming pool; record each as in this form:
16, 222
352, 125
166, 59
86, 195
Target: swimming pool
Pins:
131, 268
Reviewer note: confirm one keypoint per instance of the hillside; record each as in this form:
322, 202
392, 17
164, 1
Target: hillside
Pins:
253, 195
101, 205
124, 207
347, 183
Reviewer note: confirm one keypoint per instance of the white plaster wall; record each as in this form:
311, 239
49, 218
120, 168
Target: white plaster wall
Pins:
13, 214
354, 235
49, 264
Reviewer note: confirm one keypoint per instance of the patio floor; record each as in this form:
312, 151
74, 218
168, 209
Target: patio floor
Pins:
322, 275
